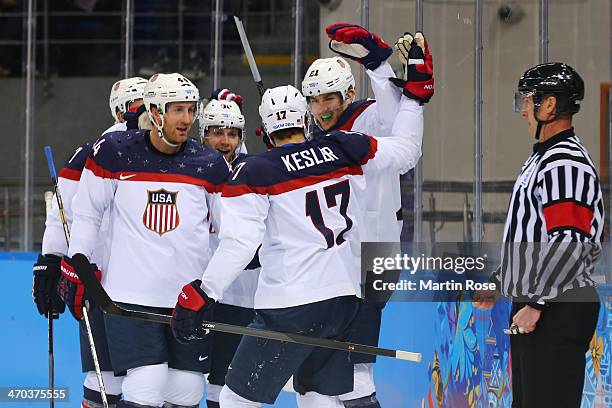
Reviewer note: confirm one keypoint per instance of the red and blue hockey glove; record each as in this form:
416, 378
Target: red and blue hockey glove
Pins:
46, 274
132, 115
193, 307
418, 82
357, 43
70, 288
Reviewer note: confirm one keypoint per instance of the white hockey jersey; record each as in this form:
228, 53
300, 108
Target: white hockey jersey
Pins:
241, 292
375, 118
158, 206
304, 203
54, 241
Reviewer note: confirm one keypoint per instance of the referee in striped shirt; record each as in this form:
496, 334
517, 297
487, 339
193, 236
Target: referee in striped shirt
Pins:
551, 242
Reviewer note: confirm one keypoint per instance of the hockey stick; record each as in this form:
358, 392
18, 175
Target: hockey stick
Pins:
249, 54
94, 287
92, 344
236, 8
50, 317
252, 64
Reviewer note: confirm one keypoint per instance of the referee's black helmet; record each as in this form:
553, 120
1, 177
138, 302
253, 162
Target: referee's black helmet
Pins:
556, 79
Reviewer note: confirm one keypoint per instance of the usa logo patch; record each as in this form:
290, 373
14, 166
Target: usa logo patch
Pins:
161, 214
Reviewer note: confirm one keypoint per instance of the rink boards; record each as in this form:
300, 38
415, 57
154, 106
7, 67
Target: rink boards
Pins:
465, 353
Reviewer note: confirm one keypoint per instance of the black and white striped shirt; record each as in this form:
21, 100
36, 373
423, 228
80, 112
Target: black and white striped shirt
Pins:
555, 222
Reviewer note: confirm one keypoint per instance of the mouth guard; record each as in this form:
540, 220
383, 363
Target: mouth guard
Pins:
328, 116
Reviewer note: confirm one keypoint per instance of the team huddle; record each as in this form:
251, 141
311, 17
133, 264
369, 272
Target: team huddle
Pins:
269, 241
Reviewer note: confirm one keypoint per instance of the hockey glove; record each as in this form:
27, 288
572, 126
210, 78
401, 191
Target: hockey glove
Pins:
418, 82
227, 95
357, 43
70, 288
131, 117
46, 275
193, 307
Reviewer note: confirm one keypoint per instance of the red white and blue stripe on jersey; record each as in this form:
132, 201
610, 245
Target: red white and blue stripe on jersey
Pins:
294, 166
74, 165
130, 156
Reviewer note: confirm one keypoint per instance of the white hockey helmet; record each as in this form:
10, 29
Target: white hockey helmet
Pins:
327, 75
163, 89
125, 92
221, 113
283, 107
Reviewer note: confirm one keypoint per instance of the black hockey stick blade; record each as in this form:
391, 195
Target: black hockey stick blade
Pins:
94, 287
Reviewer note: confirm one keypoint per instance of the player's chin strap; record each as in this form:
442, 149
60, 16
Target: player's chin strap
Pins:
236, 153
272, 141
166, 141
311, 124
160, 133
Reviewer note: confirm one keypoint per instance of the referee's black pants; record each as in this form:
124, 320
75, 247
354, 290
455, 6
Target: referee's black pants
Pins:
548, 364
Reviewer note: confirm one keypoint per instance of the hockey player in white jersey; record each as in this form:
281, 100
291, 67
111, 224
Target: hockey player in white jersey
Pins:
125, 96
329, 86
303, 201
223, 128
158, 186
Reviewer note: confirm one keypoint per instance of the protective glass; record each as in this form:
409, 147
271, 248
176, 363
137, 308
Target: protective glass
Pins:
522, 101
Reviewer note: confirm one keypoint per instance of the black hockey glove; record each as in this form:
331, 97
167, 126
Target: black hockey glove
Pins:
71, 289
46, 275
193, 307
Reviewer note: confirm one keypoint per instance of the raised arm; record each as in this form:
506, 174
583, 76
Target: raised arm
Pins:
387, 96
401, 150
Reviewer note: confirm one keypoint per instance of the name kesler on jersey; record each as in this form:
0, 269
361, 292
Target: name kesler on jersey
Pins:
308, 158
161, 213
298, 165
